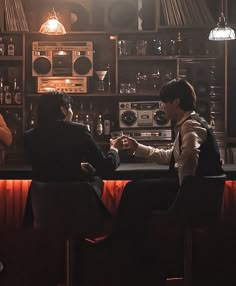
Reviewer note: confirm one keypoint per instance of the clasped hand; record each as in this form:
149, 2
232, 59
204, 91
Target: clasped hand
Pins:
124, 143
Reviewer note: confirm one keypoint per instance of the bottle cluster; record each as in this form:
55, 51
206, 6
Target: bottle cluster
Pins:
99, 124
10, 93
7, 46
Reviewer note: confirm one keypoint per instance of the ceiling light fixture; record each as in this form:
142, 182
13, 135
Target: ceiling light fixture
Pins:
52, 26
222, 32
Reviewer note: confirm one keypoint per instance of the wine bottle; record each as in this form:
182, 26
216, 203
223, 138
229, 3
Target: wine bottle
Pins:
107, 123
87, 123
11, 48
99, 128
1, 91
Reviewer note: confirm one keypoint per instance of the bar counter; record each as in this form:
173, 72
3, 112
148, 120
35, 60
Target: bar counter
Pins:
15, 181
126, 171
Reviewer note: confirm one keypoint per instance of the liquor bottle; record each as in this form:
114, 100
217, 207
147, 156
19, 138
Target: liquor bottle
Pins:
179, 44
87, 123
2, 47
17, 96
99, 128
77, 118
11, 48
107, 123
80, 115
1, 91
31, 117
91, 119
7, 95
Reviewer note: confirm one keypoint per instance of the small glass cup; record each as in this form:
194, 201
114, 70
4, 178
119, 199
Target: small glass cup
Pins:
116, 134
141, 47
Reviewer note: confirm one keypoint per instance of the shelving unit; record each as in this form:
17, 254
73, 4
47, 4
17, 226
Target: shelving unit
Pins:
14, 67
196, 51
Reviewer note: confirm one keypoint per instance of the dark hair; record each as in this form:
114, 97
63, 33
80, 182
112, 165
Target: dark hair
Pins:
49, 107
181, 89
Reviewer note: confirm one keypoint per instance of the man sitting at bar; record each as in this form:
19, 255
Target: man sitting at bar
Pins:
57, 147
194, 152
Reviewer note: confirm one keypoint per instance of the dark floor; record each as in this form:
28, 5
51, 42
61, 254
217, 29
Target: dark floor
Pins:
33, 259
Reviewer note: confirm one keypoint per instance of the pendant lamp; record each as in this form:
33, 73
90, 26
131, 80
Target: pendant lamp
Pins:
222, 32
52, 26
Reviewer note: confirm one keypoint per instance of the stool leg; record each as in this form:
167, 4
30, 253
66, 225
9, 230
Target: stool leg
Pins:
70, 262
188, 257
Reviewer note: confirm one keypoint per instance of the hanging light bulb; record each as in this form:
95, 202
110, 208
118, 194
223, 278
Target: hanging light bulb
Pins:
222, 32
52, 26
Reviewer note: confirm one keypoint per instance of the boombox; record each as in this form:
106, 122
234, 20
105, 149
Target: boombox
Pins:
62, 58
142, 114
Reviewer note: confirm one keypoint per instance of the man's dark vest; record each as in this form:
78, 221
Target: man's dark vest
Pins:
209, 163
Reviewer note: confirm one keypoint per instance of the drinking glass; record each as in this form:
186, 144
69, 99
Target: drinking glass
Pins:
101, 75
141, 47
116, 134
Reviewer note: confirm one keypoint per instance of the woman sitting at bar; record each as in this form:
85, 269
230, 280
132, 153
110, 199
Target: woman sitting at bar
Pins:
5, 133
57, 147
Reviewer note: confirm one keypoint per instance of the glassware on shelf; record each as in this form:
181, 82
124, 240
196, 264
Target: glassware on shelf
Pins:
129, 87
141, 81
155, 79
125, 48
141, 47
156, 47
101, 75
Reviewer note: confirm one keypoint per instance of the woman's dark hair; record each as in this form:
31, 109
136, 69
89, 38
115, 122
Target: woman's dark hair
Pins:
49, 107
181, 89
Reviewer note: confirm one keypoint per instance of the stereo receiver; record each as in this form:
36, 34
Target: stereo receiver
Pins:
67, 84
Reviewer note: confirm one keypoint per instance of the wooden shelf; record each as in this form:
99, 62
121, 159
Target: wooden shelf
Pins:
117, 95
11, 58
12, 106
231, 140
165, 58
147, 58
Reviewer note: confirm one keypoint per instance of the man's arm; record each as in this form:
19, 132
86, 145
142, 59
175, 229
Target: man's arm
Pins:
193, 135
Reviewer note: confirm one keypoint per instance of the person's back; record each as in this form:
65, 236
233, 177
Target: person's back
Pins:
56, 147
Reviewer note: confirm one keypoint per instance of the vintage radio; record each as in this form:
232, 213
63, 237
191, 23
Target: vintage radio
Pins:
142, 114
62, 58
65, 84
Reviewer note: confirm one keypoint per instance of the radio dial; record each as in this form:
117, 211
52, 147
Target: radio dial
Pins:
160, 117
128, 118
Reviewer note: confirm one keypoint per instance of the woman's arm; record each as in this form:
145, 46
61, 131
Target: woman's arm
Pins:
5, 133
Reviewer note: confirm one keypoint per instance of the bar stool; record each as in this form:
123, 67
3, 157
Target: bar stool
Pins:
198, 205
71, 209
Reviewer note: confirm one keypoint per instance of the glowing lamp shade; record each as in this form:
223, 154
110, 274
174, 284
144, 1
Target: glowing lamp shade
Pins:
52, 26
222, 32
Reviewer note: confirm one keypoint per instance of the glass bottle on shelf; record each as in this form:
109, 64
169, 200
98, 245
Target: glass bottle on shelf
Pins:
179, 44
155, 79
87, 123
99, 128
76, 118
7, 95
81, 115
1, 91
2, 47
91, 118
31, 117
107, 123
17, 95
11, 47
